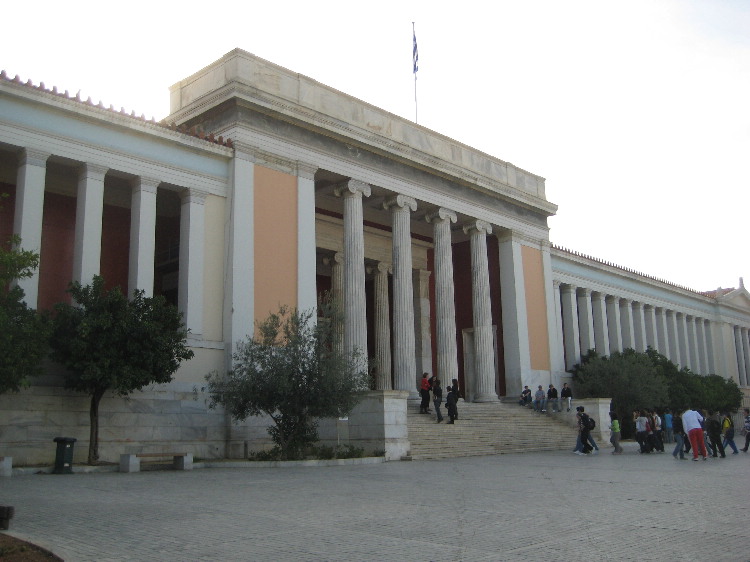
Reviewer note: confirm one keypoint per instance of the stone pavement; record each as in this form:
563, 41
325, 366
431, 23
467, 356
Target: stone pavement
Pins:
532, 506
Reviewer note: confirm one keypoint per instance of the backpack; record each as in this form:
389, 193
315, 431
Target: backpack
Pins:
592, 423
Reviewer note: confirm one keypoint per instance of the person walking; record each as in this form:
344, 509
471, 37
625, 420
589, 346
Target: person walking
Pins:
713, 427
450, 404
615, 428
746, 429
679, 437
437, 398
691, 423
727, 428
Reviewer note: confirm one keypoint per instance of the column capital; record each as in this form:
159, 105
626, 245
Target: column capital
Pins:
625, 302
637, 304
33, 157
441, 214
585, 292
192, 195
480, 226
556, 283
380, 268
352, 187
568, 289
143, 183
400, 201
306, 171
93, 171
597, 296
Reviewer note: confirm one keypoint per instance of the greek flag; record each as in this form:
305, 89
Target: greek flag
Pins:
416, 55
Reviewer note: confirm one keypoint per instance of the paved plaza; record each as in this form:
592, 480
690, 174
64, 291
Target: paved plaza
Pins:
533, 506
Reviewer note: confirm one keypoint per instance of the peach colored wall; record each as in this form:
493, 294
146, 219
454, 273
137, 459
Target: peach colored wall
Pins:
536, 308
275, 241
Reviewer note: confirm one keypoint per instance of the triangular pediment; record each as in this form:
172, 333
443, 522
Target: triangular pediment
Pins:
738, 298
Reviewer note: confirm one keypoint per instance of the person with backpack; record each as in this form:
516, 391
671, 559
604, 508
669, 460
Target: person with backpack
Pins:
450, 404
727, 428
584, 423
746, 429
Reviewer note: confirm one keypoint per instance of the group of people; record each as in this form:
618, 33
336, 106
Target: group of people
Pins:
432, 384
707, 433
547, 400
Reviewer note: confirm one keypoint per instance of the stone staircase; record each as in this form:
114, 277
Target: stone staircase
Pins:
486, 429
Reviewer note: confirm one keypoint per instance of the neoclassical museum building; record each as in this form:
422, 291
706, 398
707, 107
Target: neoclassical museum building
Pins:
264, 187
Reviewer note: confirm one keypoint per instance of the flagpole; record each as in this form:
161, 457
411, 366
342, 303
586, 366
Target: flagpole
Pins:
415, 59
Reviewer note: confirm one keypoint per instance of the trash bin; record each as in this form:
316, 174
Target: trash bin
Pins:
64, 455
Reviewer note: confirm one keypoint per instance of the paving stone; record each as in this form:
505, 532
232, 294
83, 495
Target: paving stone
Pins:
536, 505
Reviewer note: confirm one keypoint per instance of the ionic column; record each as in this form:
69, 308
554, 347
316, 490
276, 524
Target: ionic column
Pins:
740, 352
192, 257
662, 332
570, 326
599, 310
445, 307
585, 320
142, 236
674, 348
558, 360
355, 322
422, 324
404, 350
708, 329
382, 328
700, 333
482, 310
337, 292
639, 327
626, 319
307, 296
29, 210
88, 237
681, 320
515, 318
693, 345
649, 317
746, 354
613, 323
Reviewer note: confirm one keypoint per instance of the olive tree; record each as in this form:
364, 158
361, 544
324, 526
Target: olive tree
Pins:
291, 372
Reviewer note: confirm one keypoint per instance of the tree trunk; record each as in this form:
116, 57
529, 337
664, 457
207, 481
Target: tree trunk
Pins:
94, 427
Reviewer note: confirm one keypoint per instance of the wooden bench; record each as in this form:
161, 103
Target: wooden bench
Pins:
131, 462
6, 466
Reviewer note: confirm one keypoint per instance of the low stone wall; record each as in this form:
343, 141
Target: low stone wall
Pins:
377, 423
597, 408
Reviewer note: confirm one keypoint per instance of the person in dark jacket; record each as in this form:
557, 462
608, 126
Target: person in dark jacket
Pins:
679, 436
437, 398
566, 394
450, 403
424, 391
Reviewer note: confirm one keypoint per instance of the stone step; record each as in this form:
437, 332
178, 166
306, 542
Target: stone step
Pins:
487, 429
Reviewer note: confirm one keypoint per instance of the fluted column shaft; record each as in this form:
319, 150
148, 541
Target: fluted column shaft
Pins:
613, 323
29, 211
746, 354
674, 348
355, 323
649, 317
445, 307
700, 334
639, 327
662, 332
682, 339
484, 352
585, 320
740, 353
337, 292
626, 320
599, 313
404, 360
382, 328
570, 326
142, 236
192, 259
693, 345
88, 234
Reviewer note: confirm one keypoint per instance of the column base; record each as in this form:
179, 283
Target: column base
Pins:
486, 398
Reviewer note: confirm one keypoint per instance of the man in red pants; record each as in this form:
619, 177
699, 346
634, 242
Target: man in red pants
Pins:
691, 421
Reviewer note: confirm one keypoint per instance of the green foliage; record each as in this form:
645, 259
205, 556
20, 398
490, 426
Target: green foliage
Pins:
649, 380
629, 378
110, 343
291, 372
322, 452
23, 331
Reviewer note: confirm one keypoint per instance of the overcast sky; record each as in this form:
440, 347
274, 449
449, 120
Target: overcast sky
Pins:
636, 112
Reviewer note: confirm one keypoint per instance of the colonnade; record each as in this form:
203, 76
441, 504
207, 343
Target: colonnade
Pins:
348, 278
608, 323
31, 180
